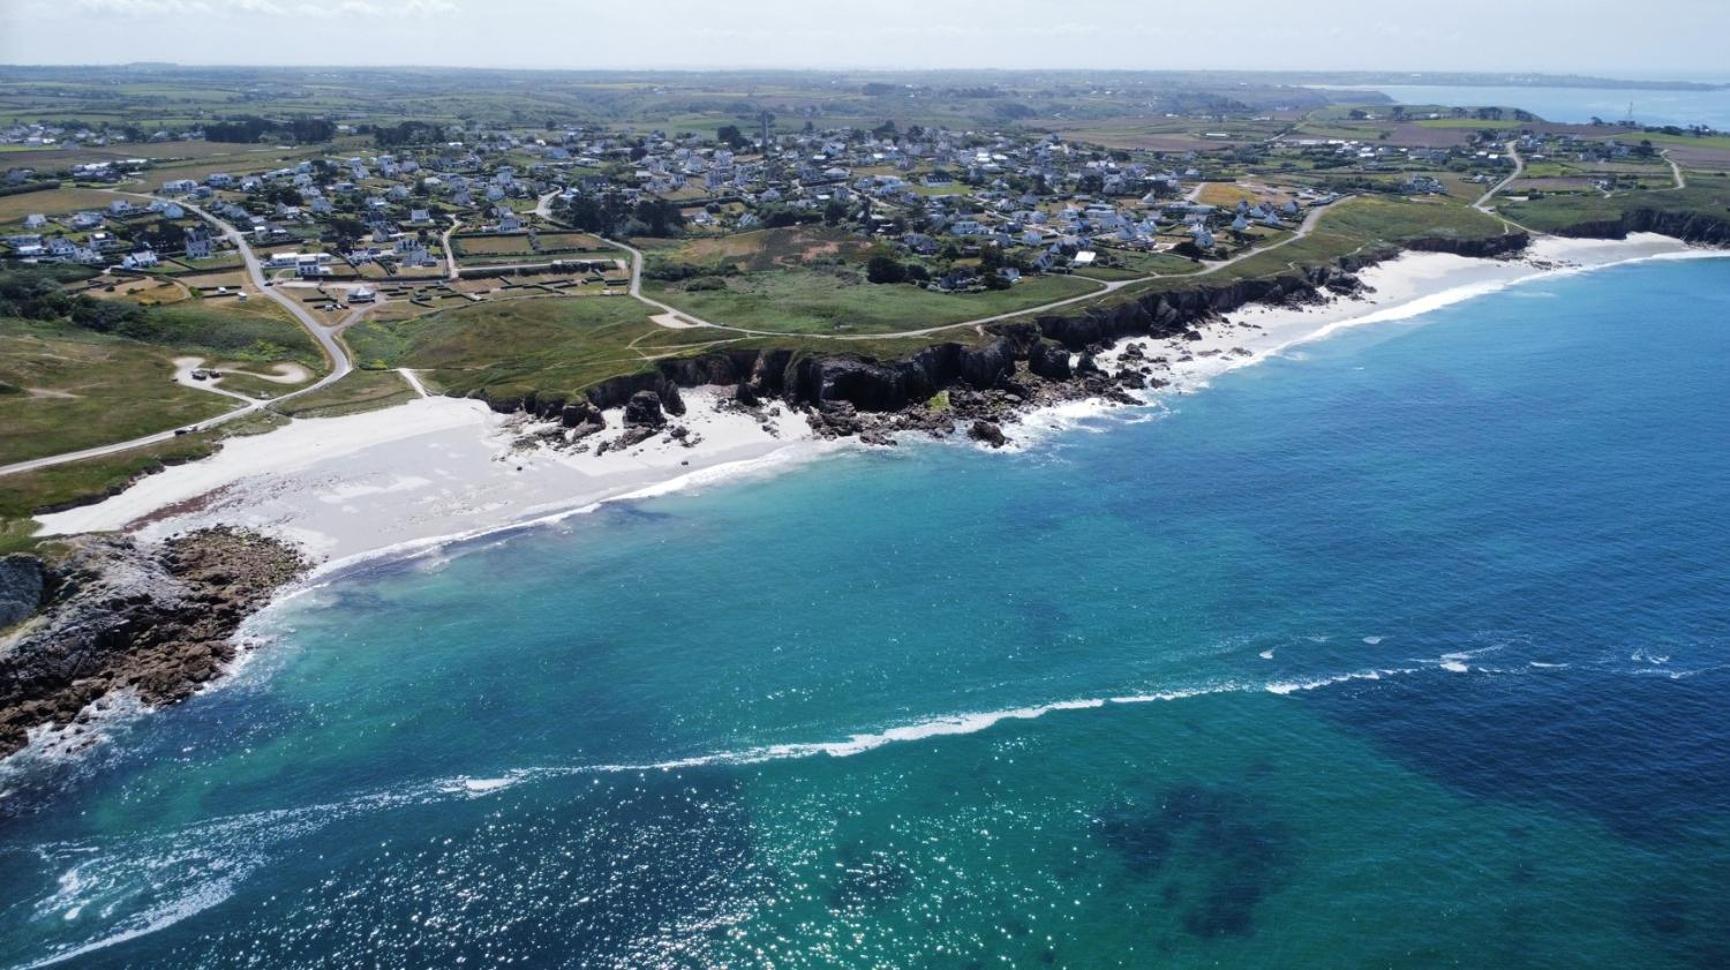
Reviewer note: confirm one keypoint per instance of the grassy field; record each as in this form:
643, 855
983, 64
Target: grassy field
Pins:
492, 245
257, 332
1350, 226
566, 241
361, 390
826, 301
53, 202
763, 249
544, 344
1706, 194
66, 390
24, 495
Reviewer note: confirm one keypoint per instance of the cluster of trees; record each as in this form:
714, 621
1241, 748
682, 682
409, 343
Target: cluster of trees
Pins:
408, 133
610, 214
732, 137
884, 267
37, 294
248, 128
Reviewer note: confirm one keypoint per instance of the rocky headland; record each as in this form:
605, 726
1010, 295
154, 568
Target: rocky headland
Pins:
113, 615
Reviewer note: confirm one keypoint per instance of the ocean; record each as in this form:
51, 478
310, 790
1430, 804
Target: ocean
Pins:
1578, 105
1410, 647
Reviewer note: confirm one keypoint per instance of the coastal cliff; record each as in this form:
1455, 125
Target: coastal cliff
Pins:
1693, 227
116, 615
1018, 364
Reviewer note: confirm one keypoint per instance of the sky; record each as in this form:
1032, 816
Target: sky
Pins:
1651, 38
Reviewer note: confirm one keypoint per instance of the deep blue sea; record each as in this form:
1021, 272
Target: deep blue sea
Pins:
1411, 648
1579, 105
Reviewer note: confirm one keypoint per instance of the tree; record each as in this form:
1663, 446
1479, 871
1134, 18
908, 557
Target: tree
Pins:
731, 136
884, 268
661, 217
834, 212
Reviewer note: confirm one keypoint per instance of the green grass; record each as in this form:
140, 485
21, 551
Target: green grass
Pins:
257, 332
101, 389
824, 301
1705, 195
53, 202
1351, 226
554, 344
360, 390
25, 495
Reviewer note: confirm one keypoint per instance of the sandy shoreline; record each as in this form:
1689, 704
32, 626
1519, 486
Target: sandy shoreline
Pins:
436, 469
424, 472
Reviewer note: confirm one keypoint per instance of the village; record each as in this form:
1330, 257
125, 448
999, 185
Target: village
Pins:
957, 211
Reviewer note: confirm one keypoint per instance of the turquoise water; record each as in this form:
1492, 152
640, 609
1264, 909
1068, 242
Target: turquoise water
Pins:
1406, 650
1579, 105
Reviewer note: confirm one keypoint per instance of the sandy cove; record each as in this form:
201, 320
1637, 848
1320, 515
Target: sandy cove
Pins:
423, 471
436, 468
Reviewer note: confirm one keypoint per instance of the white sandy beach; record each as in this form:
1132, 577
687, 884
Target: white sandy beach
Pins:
438, 468
1414, 283
429, 469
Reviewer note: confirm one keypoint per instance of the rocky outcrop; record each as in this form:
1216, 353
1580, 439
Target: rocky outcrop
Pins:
23, 584
1490, 247
987, 432
157, 620
1694, 227
1048, 360
643, 410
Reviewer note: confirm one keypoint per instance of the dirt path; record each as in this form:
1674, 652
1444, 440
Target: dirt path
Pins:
676, 319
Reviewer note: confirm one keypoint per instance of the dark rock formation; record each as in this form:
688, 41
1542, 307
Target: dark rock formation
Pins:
1048, 360
987, 432
582, 414
670, 399
23, 583
1694, 227
643, 410
1491, 247
156, 620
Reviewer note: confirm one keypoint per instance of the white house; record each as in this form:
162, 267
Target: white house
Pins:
143, 259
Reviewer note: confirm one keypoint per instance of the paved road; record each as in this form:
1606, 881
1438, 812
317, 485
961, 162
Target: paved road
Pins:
326, 337
543, 208
1303, 229
1483, 202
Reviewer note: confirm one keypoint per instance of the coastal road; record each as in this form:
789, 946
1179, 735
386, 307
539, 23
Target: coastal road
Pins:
674, 318
333, 350
1482, 205
1304, 229
451, 254
1676, 172
680, 320
326, 337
